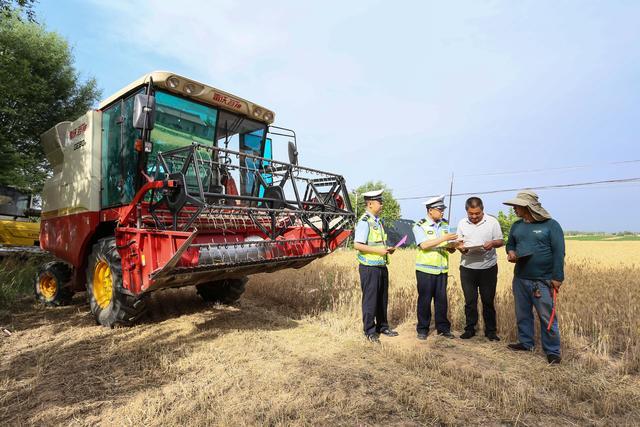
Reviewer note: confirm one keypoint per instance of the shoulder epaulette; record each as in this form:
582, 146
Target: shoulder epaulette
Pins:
422, 221
365, 217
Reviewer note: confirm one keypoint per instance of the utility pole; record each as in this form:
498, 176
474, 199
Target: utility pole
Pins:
450, 196
355, 194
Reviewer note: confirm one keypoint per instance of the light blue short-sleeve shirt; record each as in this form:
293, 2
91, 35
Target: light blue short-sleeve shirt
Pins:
361, 234
419, 234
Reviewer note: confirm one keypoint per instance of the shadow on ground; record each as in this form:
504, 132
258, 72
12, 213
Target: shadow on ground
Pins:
58, 362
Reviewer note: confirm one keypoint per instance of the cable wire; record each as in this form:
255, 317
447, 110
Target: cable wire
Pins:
542, 187
533, 171
521, 172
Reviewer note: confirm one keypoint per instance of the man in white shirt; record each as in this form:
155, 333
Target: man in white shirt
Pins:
481, 234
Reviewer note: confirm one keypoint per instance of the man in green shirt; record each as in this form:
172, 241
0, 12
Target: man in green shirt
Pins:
536, 246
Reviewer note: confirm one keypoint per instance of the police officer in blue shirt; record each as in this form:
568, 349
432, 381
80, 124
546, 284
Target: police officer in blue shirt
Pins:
432, 266
373, 256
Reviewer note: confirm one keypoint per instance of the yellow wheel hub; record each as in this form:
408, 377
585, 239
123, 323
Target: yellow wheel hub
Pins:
102, 284
48, 286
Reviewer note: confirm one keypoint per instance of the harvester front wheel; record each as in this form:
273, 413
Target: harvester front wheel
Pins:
53, 284
109, 302
225, 291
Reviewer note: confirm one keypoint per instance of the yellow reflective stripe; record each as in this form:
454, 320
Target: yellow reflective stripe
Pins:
366, 261
432, 267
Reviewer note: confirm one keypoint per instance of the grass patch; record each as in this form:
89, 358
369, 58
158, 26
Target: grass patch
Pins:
604, 238
17, 273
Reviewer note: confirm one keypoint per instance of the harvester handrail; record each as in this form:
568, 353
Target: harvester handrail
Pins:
252, 156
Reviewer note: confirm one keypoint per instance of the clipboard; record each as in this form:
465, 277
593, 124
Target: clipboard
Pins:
472, 247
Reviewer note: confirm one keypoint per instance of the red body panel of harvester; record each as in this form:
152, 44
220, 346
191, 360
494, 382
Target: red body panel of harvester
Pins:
161, 246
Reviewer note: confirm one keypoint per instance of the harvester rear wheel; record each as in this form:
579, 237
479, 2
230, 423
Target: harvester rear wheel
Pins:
225, 291
53, 284
109, 302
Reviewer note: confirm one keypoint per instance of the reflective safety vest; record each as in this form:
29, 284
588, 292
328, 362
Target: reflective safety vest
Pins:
434, 260
377, 237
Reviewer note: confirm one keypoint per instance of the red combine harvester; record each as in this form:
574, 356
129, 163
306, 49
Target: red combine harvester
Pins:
173, 183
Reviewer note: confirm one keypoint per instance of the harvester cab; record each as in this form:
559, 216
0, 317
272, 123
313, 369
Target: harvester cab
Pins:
174, 183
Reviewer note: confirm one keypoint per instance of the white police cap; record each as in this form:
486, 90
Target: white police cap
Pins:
435, 202
373, 195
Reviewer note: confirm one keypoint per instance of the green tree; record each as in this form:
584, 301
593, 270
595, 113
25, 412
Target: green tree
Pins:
390, 208
506, 221
17, 7
39, 87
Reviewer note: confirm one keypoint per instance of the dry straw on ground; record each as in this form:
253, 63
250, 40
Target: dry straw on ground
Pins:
292, 353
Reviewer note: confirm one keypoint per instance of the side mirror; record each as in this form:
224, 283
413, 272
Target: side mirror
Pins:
293, 153
144, 111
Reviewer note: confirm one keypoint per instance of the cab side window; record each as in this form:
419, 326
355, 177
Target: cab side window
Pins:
119, 158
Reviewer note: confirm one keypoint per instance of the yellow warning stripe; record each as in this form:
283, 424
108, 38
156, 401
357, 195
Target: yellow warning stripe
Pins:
63, 212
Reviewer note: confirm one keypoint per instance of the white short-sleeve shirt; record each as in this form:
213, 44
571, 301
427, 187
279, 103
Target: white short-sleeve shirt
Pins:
477, 234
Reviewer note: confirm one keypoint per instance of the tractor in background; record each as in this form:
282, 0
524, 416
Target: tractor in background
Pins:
19, 233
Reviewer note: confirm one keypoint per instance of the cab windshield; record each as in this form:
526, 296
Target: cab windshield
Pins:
180, 122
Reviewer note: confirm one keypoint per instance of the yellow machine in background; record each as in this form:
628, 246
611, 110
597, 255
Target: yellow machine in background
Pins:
19, 233
16, 227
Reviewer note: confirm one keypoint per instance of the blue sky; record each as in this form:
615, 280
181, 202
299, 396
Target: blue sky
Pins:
408, 92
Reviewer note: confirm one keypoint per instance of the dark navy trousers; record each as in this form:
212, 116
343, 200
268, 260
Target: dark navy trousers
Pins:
432, 287
374, 282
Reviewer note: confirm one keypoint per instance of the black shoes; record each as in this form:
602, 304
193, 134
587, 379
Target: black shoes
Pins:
553, 359
467, 334
493, 337
422, 336
373, 338
519, 347
446, 334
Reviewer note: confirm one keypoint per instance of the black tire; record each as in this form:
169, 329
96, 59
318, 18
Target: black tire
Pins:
225, 291
52, 285
121, 309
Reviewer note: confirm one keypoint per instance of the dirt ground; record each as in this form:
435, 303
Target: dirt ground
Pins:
190, 363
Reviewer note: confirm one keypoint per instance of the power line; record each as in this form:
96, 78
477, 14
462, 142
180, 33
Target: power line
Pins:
521, 172
542, 187
532, 171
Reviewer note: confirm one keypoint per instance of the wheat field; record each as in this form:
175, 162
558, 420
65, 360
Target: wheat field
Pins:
292, 353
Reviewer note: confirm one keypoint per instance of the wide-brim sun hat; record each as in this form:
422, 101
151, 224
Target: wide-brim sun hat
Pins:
529, 199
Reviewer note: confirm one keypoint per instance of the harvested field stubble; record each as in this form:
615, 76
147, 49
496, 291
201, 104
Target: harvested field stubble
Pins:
292, 353
598, 306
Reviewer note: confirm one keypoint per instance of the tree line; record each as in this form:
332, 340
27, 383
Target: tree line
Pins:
39, 87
